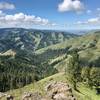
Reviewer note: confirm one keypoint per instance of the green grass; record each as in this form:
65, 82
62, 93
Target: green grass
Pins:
86, 54
38, 86
84, 94
76, 42
89, 93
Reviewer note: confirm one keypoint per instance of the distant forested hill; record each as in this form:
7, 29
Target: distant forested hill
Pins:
30, 39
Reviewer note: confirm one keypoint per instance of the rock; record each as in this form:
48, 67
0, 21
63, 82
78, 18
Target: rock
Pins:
71, 98
46, 99
49, 86
60, 96
32, 96
1, 95
54, 91
59, 86
37, 96
59, 91
10, 97
26, 96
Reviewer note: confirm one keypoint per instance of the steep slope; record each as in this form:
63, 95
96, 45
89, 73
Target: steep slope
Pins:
85, 92
30, 39
88, 47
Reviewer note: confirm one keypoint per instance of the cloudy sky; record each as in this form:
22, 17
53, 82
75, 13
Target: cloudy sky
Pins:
50, 14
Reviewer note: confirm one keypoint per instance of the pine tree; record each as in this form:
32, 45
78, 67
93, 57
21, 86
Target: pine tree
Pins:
73, 69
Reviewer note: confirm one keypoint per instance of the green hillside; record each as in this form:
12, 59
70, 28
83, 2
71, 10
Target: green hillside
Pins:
88, 47
85, 92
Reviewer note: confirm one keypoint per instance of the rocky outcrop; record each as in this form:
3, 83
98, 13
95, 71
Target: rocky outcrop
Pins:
1, 95
6, 96
9, 97
32, 96
59, 91
54, 91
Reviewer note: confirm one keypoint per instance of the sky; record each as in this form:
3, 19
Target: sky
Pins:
50, 14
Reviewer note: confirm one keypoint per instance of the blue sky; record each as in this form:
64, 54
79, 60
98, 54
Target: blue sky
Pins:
50, 14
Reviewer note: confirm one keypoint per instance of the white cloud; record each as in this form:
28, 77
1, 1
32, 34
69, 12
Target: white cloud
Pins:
98, 9
91, 21
71, 5
94, 20
88, 11
6, 5
22, 20
81, 23
1, 13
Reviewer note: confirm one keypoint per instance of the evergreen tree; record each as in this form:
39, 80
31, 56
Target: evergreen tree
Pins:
73, 69
95, 76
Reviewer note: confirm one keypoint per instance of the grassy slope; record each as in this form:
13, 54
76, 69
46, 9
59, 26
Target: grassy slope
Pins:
75, 42
86, 53
85, 93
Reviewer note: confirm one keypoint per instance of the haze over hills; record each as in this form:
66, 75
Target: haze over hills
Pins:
80, 32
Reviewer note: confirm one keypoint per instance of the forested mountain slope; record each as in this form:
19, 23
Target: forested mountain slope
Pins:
30, 39
18, 64
88, 47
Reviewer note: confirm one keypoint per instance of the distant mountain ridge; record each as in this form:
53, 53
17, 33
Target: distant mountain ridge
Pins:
30, 39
